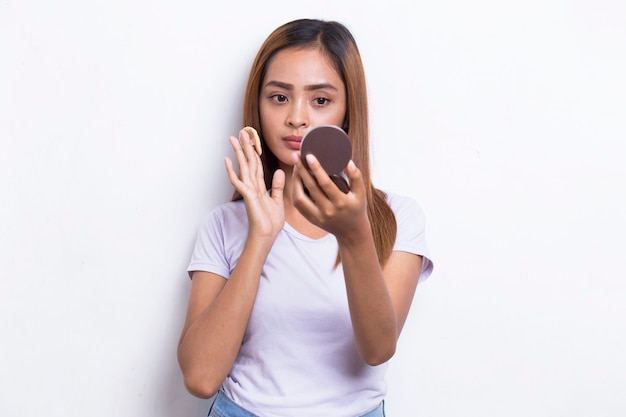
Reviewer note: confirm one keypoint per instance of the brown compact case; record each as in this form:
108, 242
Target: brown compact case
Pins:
332, 148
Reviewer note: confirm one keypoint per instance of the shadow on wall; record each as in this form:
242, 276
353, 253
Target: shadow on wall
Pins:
172, 398
169, 393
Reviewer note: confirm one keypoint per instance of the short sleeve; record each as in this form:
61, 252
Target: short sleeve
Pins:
209, 252
411, 234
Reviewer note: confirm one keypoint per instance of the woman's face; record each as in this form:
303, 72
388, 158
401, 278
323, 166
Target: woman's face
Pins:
301, 89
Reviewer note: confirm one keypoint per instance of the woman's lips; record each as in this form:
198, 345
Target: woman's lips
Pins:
293, 141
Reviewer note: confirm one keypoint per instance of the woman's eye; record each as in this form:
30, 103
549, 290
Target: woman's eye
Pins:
279, 98
320, 101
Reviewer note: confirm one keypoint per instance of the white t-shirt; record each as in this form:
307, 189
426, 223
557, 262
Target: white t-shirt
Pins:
298, 356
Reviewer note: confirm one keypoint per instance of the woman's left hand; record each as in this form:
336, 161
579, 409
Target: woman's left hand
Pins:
325, 205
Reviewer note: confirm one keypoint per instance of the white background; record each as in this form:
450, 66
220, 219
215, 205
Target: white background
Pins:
505, 120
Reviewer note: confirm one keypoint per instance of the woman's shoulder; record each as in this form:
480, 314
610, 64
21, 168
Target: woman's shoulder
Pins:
401, 203
226, 212
411, 229
231, 207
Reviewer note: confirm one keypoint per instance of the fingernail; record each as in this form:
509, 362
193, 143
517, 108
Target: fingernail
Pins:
351, 165
310, 158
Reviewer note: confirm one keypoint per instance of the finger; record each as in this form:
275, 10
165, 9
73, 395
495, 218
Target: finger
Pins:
306, 181
232, 175
253, 157
278, 186
245, 142
321, 178
244, 171
357, 186
302, 198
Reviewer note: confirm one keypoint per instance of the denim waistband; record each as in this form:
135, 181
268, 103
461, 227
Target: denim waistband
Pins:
225, 407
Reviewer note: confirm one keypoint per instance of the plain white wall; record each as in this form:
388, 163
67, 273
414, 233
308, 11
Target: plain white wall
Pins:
505, 120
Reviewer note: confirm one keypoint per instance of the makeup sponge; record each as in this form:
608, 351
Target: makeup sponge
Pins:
254, 136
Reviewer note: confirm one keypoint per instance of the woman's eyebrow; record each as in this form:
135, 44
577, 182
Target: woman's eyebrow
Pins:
321, 86
311, 87
279, 84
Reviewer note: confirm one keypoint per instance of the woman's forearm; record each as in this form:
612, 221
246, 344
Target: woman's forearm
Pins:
210, 344
372, 310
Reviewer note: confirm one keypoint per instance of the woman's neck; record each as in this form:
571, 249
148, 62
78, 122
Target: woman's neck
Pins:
293, 216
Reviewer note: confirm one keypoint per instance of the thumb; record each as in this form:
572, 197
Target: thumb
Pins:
278, 185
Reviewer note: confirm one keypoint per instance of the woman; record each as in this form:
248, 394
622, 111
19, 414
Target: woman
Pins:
299, 294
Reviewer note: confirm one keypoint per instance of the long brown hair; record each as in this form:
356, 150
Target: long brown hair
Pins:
337, 43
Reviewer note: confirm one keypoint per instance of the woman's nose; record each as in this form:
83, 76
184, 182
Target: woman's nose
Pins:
298, 116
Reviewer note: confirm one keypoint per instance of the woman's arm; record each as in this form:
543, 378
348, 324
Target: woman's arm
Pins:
217, 317
379, 299
219, 308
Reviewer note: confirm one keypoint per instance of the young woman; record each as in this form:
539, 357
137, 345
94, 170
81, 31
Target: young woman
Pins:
299, 296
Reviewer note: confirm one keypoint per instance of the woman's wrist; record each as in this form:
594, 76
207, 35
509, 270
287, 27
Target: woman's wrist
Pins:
356, 237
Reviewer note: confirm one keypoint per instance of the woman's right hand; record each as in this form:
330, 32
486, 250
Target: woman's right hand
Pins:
266, 212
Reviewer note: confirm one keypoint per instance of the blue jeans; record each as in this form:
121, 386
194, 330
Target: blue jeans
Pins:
225, 407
